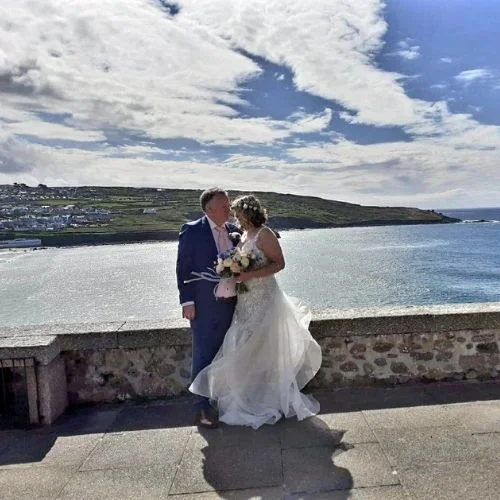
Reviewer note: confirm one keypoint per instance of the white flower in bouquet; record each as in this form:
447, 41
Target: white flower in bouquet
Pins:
232, 263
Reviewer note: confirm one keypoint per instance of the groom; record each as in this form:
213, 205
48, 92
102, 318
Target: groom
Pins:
199, 243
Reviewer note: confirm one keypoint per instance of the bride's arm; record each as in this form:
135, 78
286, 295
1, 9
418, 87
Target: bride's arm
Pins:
271, 248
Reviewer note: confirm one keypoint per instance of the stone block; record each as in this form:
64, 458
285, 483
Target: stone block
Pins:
444, 356
399, 368
43, 348
52, 390
423, 356
487, 348
381, 346
483, 337
477, 320
82, 341
472, 362
154, 338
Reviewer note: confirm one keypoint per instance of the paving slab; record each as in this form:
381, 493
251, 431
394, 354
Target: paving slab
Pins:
48, 450
33, 482
353, 425
320, 468
138, 449
216, 468
477, 418
412, 417
453, 481
88, 420
120, 484
407, 447
234, 436
155, 416
247, 494
395, 492
383, 447
490, 445
313, 431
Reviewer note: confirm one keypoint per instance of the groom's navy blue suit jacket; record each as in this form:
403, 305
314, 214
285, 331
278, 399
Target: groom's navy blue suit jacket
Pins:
197, 252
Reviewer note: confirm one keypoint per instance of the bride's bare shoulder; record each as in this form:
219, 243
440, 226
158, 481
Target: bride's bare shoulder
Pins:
267, 233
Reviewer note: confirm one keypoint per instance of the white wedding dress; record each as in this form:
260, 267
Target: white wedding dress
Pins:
267, 357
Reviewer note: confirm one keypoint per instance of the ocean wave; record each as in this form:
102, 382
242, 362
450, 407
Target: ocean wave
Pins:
9, 254
479, 221
407, 246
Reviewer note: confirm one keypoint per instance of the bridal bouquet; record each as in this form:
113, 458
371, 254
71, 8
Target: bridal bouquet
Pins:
230, 265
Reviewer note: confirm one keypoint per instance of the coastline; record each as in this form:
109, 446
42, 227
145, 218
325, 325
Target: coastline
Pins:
59, 240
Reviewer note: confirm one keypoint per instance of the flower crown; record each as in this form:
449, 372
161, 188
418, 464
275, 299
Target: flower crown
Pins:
247, 205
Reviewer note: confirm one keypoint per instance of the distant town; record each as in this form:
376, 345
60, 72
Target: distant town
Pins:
22, 209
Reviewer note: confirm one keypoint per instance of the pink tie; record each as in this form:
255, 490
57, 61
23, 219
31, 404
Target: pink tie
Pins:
223, 243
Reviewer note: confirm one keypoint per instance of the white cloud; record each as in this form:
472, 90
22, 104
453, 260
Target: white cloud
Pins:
304, 123
439, 86
446, 60
473, 74
53, 131
407, 51
105, 66
128, 66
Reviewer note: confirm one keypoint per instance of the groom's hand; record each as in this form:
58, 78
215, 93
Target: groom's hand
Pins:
189, 312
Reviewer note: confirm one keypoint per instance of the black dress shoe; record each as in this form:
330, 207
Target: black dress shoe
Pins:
206, 419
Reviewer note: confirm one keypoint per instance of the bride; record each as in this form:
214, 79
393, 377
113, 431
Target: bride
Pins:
268, 354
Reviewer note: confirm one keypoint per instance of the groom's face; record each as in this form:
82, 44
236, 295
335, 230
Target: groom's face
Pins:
218, 209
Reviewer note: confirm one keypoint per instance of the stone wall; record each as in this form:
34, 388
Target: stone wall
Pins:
400, 358
359, 348
119, 374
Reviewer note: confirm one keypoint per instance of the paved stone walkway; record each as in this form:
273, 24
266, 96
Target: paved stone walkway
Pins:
436, 441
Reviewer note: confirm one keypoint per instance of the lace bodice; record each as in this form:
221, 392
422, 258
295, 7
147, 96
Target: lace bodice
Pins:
251, 305
250, 245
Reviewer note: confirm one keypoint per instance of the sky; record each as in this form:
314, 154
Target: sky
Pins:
391, 103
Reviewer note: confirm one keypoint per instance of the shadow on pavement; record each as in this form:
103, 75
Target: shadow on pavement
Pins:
297, 457
32, 446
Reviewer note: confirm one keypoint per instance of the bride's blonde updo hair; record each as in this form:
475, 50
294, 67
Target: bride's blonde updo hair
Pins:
251, 208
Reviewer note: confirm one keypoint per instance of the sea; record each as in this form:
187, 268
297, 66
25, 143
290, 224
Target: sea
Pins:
346, 268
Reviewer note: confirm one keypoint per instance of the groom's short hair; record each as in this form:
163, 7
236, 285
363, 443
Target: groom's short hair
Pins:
208, 194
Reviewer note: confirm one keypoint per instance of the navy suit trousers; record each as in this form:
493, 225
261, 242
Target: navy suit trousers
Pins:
209, 328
